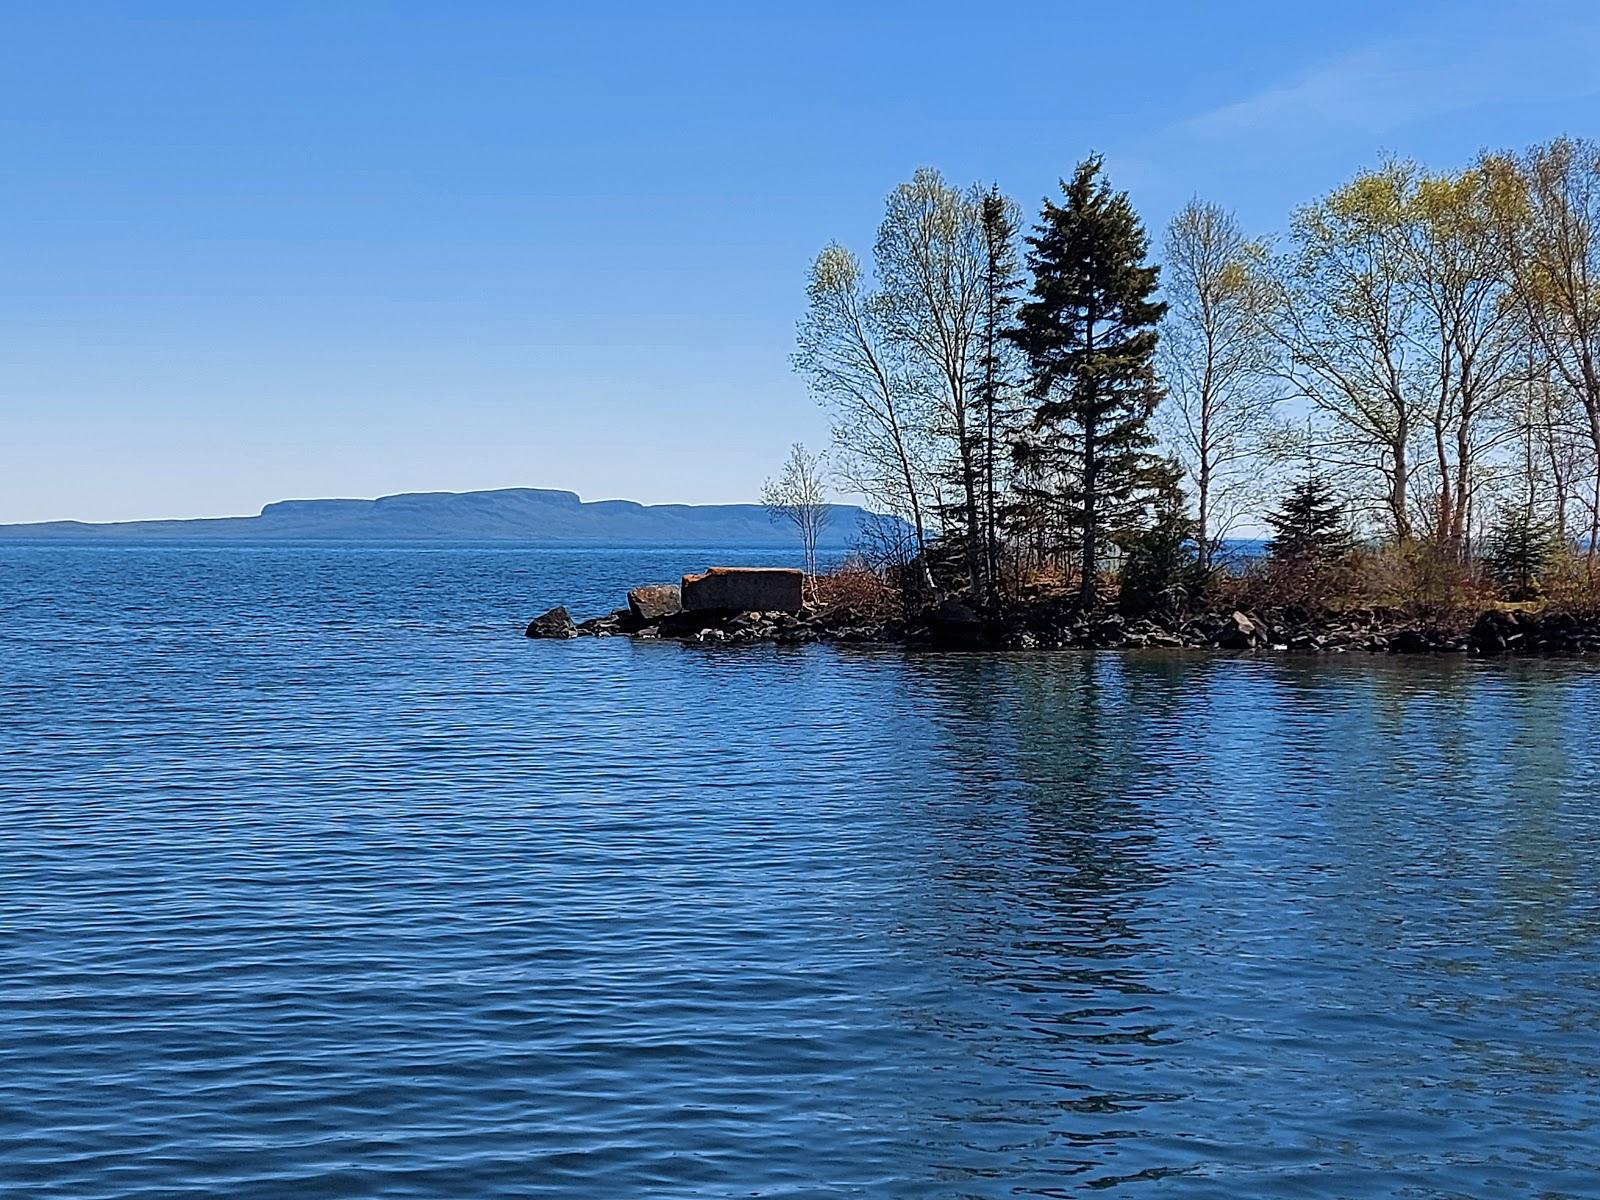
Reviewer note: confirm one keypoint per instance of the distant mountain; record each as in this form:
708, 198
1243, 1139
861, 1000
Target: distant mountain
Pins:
509, 514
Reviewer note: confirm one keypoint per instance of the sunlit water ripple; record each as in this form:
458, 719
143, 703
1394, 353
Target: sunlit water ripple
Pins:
318, 880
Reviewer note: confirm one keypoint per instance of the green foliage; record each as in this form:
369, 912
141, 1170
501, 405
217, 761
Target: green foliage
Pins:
1161, 570
1310, 529
1521, 549
1088, 333
999, 218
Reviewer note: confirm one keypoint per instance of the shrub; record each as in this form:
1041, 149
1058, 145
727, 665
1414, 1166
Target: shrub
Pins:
1414, 578
1571, 583
855, 587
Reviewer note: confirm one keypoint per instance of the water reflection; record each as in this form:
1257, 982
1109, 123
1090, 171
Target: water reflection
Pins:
1228, 903
319, 880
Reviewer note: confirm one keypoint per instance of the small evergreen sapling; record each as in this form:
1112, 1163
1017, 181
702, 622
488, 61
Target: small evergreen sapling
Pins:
1310, 529
1522, 548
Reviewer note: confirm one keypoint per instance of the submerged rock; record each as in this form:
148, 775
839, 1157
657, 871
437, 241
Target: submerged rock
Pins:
613, 623
556, 623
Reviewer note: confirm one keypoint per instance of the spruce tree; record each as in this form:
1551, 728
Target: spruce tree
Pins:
1310, 528
1161, 566
1000, 284
1521, 549
1088, 332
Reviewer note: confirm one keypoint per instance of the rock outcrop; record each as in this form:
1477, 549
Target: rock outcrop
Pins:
725, 614
744, 589
1497, 632
654, 601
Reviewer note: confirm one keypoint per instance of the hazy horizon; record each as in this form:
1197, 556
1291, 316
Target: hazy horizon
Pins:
754, 503
315, 252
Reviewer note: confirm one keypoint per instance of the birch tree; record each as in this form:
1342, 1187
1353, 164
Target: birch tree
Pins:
1554, 246
1467, 349
799, 496
930, 258
1215, 357
850, 365
1343, 317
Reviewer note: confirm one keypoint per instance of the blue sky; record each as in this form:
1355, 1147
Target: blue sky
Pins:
250, 252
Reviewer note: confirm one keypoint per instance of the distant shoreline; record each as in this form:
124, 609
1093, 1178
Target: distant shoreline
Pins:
503, 515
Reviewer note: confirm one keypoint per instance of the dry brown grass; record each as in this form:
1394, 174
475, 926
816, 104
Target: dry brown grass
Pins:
855, 588
1417, 580
1572, 585
1424, 586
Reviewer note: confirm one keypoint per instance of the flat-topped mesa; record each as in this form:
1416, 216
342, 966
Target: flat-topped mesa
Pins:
744, 589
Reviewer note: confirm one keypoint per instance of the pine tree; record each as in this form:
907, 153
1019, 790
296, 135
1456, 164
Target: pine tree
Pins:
1088, 331
1310, 529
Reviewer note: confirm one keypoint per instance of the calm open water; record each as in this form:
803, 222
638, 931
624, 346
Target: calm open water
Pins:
318, 880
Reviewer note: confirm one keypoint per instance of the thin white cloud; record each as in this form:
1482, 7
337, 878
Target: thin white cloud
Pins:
1510, 60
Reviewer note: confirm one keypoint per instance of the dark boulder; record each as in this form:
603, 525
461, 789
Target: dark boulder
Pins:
554, 624
744, 589
952, 624
609, 625
1488, 635
654, 601
1412, 641
687, 625
1239, 632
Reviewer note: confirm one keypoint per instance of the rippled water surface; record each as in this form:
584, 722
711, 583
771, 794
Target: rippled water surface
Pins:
318, 880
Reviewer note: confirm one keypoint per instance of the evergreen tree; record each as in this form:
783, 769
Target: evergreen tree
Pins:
1088, 331
1162, 568
1521, 549
1310, 529
1000, 284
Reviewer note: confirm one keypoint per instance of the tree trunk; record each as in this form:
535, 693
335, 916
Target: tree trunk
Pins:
1399, 494
974, 531
991, 542
1089, 588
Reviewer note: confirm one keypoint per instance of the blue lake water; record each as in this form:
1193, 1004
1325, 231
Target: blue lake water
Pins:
318, 880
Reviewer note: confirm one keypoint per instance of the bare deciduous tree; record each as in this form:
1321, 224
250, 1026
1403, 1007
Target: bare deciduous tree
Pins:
847, 360
1216, 358
799, 496
931, 258
1343, 316
1554, 244
1467, 349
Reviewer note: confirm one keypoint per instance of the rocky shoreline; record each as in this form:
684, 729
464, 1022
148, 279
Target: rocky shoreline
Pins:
655, 613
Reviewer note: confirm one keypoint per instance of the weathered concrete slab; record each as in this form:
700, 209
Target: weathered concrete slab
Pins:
654, 601
744, 589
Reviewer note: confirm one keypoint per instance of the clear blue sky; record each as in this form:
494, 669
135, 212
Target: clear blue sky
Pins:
250, 252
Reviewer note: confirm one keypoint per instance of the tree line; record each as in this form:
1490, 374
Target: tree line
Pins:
1414, 365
